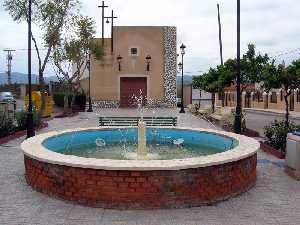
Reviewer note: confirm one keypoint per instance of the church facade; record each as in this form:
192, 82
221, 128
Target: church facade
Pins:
142, 62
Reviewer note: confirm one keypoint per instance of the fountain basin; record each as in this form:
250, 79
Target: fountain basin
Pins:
143, 184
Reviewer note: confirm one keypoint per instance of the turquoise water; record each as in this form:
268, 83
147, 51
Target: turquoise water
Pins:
116, 143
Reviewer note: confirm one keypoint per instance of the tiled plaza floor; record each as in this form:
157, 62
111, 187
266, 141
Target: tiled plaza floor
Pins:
274, 200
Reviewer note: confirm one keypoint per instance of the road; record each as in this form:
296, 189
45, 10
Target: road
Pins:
258, 120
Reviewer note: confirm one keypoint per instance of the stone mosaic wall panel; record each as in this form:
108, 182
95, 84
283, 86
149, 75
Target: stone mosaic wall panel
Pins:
170, 57
106, 104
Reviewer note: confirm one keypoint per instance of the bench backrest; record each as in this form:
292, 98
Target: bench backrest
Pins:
133, 121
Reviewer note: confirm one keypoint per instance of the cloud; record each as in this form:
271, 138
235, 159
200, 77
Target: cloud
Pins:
271, 25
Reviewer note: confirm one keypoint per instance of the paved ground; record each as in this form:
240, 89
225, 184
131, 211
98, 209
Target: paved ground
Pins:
274, 200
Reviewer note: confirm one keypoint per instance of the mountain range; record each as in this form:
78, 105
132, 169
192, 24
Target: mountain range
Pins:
187, 80
22, 78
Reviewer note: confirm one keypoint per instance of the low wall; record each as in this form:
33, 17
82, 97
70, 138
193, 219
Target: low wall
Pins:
142, 189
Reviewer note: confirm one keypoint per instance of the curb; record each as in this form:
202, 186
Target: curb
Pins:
262, 112
19, 134
269, 149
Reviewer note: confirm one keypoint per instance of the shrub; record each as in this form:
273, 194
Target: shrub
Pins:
21, 118
7, 126
230, 118
276, 134
79, 101
58, 99
193, 108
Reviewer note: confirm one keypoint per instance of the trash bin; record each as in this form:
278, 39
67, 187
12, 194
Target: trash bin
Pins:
292, 159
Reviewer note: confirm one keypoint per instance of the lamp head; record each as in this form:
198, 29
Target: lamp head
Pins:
148, 58
180, 66
119, 58
182, 48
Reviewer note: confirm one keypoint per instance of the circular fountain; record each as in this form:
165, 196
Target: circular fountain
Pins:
128, 168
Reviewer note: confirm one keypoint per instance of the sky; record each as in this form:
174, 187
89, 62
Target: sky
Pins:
272, 25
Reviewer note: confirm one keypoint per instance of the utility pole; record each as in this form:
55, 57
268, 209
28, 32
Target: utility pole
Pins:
221, 48
103, 6
220, 35
238, 117
9, 59
112, 17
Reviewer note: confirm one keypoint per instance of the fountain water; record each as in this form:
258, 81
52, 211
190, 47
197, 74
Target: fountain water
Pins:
142, 148
142, 152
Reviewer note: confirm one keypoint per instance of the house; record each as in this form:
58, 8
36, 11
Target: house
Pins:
201, 98
143, 63
191, 95
253, 97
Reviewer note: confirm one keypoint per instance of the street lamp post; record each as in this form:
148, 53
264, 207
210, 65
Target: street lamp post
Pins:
238, 117
112, 17
90, 109
30, 126
182, 49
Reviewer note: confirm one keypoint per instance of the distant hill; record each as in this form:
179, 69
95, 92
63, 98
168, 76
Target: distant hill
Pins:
187, 79
21, 78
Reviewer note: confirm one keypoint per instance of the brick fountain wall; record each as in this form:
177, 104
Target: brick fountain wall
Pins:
142, 189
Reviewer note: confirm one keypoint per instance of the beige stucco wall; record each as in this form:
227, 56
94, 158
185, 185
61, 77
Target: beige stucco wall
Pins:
105, 77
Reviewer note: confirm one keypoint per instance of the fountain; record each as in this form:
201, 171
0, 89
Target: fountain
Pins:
139, 167
142, 152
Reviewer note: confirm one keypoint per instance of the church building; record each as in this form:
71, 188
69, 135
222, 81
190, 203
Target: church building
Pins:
138, 61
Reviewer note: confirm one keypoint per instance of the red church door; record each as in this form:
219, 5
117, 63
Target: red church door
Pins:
130, 87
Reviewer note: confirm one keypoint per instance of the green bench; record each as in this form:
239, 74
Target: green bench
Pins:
133, 121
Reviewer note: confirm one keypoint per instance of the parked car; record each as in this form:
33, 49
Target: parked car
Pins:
6, 97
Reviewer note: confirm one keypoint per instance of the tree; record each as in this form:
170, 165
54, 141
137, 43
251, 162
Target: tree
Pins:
225, 79
252, 67
197, 84
50, 17
214, 81
72, 54
287, 78
208, 82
